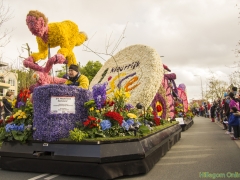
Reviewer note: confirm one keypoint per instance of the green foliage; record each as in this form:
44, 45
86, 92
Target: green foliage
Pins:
25, 78
90, 69
77, 135
62, 72
143, 130
189, 114
95, 132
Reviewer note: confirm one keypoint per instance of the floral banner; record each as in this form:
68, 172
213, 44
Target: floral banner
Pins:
138, 69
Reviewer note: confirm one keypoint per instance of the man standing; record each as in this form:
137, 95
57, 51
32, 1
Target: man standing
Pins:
76, 78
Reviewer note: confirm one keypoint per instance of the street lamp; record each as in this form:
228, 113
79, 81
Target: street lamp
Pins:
201, 85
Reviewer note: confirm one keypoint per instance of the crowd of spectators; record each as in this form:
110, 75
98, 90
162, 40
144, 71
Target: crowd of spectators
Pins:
225, 111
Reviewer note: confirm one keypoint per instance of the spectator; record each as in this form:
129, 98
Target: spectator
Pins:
76, 78
234, 122
212, 111
8, 104
1, 110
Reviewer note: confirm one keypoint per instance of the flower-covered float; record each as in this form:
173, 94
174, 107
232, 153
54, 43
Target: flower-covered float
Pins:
109, 128
170, 101
182, 110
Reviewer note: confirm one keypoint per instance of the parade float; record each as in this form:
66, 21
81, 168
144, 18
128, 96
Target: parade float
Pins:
170, 101
121, 126
182, 108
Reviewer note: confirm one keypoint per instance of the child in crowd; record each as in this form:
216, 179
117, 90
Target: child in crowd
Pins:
233, 103
234, 122
225, 121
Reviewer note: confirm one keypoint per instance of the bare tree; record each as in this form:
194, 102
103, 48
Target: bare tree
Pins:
215, 88
24, 74
5, 15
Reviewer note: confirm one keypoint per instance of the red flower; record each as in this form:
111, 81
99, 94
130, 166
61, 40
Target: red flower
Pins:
157, 120
24, 94
159, 108
91, 122
91, 118
109, 103
87, 122
10, 119
114, 116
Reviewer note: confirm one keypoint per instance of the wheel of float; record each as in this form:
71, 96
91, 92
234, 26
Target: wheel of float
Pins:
159, 105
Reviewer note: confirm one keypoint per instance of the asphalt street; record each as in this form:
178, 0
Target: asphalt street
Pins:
203, 152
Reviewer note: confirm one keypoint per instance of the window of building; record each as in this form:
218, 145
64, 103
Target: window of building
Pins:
11, 82
2, 79
1, 91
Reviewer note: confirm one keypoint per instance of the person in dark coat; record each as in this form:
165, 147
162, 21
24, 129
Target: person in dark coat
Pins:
8, 104
212, 111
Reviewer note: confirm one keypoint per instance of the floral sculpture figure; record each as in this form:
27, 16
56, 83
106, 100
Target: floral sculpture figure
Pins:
41, 74
64, 34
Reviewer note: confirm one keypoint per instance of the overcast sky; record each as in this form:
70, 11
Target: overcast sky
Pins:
194, 36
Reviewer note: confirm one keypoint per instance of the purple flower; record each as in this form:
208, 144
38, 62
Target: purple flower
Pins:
20, 104
105, 124
128, 107
99, 94
52, 127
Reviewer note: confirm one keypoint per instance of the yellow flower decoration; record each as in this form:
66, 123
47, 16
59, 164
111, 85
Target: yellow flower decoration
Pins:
131, 115
120, 93
91, 109
112, 83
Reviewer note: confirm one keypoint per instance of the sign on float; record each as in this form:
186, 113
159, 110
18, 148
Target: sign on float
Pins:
61, 105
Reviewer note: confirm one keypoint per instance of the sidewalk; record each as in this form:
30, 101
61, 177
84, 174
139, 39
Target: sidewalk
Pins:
220, 125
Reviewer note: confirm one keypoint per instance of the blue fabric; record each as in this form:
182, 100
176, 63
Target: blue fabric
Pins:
233, 120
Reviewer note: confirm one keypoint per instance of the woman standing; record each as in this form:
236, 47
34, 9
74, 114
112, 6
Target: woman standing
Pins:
8, 104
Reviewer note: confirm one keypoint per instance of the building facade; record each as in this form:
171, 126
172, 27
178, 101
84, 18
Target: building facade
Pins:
8, 80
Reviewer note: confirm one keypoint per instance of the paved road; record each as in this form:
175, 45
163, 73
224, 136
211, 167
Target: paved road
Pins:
203, 152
